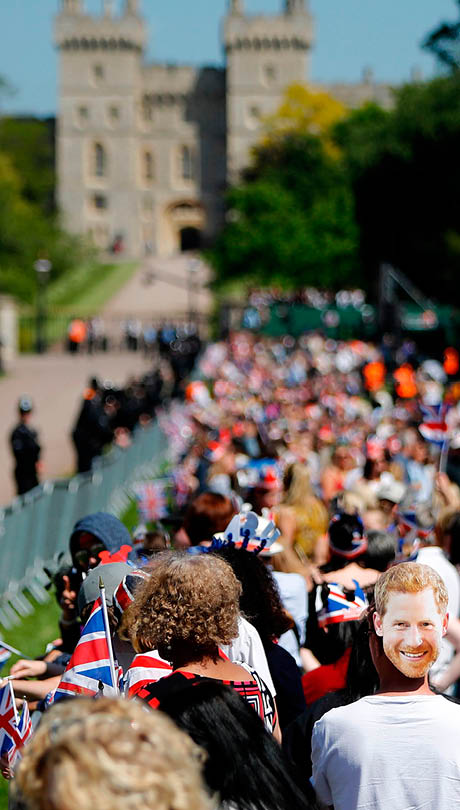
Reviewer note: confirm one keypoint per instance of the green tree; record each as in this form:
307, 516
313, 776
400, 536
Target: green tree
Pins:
444, 43
25, 235
405, 175
29, 143
291, 222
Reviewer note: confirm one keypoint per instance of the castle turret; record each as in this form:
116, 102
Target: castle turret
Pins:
264, 54
131, 7
71, 6
100, 73
236, 7
295, 7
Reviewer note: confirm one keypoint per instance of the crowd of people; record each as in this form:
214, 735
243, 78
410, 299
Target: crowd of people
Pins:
296, 614
94, 335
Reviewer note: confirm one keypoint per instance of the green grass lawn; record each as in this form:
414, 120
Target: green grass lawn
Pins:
82, 292
31, 637
89, 287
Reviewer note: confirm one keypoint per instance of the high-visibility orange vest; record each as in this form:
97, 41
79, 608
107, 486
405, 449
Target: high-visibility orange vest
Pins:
374, 375
77, 331
451, 364
406, 387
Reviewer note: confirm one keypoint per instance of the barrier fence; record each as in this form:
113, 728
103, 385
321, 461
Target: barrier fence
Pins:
36, 527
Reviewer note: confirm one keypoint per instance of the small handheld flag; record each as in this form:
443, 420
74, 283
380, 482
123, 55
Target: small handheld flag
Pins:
25, 731
5, 655
91, 662
10, 737
434, 427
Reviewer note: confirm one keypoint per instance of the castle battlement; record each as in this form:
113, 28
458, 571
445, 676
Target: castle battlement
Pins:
76, 30
268, 33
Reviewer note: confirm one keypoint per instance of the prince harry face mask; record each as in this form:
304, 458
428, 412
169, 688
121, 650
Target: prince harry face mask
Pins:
411, 628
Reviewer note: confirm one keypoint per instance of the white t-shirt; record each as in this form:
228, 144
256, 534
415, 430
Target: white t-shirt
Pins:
247, 648
389, 753
294, 597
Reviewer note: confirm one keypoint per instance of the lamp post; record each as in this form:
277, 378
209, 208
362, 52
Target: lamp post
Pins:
193, 267
42, 268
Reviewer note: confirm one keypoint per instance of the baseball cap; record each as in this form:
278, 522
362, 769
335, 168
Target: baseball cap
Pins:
111, 574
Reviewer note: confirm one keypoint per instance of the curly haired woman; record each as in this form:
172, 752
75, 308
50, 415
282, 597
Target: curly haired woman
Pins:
187, 608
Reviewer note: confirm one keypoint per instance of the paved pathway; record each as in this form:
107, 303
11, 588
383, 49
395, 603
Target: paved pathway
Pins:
162, 288
55, 381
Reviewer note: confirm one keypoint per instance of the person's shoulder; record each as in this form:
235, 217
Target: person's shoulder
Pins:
247, 630
344, 716
450, 705
290, 580
19, 428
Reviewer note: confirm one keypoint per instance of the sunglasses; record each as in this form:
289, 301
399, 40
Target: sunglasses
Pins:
83, 556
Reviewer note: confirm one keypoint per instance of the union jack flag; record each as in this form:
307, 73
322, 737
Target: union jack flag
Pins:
434, 427
151, 500
145, 668
125, 592
342, 606
5, 655
10, 737
25, 731
90, 664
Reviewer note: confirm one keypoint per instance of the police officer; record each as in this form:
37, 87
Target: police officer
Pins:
93, 428
26, 449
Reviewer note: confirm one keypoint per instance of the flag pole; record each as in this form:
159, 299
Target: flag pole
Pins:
444, 454
13, 699
108, 634
14, 650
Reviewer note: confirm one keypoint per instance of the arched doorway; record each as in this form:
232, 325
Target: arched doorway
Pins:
190, 239
183, 226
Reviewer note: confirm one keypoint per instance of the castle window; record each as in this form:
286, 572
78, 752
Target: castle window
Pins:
100, 160
148, 166
147, 109
114, 114
187, 163
270, 74
100, 202
82, 115
254, 115
98, 73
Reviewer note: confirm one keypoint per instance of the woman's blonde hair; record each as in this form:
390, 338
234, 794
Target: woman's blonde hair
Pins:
110, 754
297, 485
187, 601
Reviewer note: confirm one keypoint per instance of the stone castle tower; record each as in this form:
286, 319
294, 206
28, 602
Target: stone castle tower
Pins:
145, 151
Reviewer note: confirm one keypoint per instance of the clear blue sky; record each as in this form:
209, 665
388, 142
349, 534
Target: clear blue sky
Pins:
350, 34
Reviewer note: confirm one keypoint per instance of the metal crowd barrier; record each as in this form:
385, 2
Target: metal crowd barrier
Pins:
36, 527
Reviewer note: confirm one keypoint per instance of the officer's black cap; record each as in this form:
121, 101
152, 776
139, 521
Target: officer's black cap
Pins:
25, 404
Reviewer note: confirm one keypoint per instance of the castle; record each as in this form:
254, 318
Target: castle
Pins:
146, 151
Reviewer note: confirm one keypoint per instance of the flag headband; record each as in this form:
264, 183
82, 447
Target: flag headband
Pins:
249, 532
